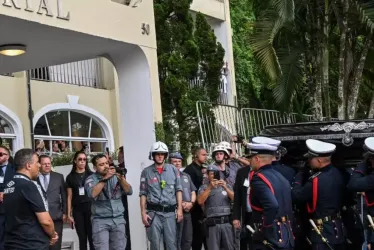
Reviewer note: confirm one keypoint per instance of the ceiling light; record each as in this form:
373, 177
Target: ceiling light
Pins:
12, 49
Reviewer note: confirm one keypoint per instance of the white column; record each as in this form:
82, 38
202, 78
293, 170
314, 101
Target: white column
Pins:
136, 119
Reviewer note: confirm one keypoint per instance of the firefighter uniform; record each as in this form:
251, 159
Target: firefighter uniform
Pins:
323, 194
271, 203
220, 233
160, 187
362, 180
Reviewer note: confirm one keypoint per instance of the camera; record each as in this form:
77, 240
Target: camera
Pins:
121, 171
239, 139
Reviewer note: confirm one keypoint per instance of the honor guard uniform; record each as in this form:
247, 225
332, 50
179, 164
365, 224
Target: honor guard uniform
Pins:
288, 172
161, 197
270, 200
362, 180
216, 197
322, 194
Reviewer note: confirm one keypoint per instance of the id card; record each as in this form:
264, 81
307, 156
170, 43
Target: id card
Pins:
246, 183
1, 179
81, 191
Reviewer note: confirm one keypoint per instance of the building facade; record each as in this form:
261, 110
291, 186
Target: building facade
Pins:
93, 76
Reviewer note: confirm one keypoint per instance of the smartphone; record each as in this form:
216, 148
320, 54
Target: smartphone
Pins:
107, 150
72, 225
217, 175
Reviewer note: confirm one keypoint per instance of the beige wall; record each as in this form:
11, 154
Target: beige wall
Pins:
211, 8
103, 18
14, 97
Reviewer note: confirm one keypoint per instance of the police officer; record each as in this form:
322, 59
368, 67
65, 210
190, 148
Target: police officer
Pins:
28, 224
106, 188
323, 195
221, 156
288, 172
188, 201
216, 197
160, 196
235, 161
362, 180
271, 202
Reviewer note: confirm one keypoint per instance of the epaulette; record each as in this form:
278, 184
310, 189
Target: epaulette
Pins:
315, 175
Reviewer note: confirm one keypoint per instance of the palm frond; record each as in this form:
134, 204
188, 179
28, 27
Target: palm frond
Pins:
269, 22
366, 12
292, 77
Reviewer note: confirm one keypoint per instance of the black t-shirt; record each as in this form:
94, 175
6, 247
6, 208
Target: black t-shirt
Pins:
75, 181
22, 199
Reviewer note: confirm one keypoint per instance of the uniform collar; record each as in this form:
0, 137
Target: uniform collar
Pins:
328, 167
275, 163
268, 166
155, 168
23, 176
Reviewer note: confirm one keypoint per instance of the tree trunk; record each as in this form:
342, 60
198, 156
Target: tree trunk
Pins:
325, 61
371, 108
356, 80
342, 21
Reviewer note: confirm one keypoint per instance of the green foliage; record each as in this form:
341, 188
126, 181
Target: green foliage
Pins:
63, 159
186, 52
159, 131
249, 77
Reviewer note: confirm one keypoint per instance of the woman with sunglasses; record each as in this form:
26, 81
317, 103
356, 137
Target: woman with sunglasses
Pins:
78, 203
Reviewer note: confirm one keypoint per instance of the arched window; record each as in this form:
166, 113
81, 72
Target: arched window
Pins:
68, 131
7, 135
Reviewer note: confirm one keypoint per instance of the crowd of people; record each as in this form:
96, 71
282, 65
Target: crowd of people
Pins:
253, 202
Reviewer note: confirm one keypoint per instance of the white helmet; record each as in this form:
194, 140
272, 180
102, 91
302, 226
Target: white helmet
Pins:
158, 147
220, 148
226, 144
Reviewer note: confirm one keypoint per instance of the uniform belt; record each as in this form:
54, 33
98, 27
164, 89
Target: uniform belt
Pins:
160, 208
219, 219
353, 207
282, 219
327, 219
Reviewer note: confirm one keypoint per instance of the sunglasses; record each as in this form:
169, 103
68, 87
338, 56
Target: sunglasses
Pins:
2, 154
82, 159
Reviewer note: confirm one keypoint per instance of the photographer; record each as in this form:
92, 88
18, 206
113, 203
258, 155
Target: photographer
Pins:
106, 187
216, 197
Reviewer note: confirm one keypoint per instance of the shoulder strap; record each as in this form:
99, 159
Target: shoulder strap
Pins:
315, 175
267, 182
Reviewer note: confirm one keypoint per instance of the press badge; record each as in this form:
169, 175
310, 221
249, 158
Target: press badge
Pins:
81, 191
246, 183
1, 179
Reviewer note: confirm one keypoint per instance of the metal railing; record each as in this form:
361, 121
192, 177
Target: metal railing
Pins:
219, 122
82, 73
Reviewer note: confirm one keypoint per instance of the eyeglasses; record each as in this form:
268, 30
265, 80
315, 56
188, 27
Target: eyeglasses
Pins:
2, 154
82, 159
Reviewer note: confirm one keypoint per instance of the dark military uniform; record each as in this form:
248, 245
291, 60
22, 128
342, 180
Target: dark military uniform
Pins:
323, 194
287, 172
362, 180
270, 197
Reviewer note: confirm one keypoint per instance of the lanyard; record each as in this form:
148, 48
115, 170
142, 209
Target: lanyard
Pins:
80, 179
114, 192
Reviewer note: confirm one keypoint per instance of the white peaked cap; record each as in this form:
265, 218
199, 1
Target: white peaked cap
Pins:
266, 140
256, 148
319, 148
369, 145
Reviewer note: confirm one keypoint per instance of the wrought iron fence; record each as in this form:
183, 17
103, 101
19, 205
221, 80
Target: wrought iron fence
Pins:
82, 73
